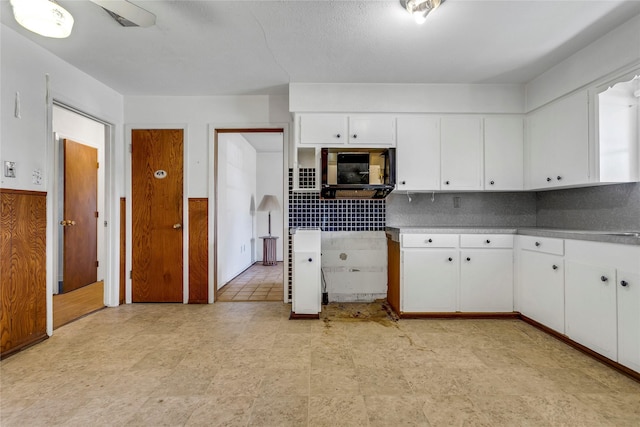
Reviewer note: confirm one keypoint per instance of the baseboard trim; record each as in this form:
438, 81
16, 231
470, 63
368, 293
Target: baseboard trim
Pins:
33, 341
470, 315
565, 339
296, 316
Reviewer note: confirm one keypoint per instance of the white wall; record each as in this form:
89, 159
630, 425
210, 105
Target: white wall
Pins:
236, 205
270, 178
618, 49
406, 98
27, 140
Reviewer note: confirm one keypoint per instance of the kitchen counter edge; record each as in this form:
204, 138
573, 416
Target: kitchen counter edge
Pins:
597, 236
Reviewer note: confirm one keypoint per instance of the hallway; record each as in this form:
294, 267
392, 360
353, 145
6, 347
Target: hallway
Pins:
246, 364
257, 283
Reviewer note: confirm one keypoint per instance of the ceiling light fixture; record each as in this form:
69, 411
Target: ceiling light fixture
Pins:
419, 9
44, 17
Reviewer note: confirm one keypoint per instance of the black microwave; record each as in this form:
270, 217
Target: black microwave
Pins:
358, 173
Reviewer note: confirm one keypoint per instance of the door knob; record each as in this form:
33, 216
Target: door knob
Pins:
67, 222
177, 226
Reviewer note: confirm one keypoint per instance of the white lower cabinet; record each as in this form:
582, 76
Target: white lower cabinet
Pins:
542, 288
429, 280
603, 299
445, 273
486, 280
591, 306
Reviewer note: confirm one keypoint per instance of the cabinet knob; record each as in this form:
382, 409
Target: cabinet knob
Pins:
451, 259
403, 182
446, 182
548, 179
355, 135
430, 241
338, 136
491, 182
624, 283
488, 241
604, 278
310, 259
468, 259
555, 267
537, 244
558, 177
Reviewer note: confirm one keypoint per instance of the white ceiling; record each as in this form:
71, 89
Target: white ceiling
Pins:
259, 47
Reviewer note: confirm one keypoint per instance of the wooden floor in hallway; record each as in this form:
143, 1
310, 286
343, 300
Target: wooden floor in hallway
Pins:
257, 283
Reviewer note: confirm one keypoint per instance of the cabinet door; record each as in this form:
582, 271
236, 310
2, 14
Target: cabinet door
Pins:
306, 289
503, 151
542, 288
628, 295
461, 153
591, 306
571, 147
372, 130
486, 280
323, 129
540, 140
418, 153
429, 280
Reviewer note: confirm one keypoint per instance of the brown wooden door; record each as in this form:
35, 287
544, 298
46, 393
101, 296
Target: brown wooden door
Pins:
157, 169
80, 221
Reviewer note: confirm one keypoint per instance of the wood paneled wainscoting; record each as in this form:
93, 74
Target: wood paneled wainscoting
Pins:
198, 251
23, 311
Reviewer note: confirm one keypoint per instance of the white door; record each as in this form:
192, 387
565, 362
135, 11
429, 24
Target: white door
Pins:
503, 153
590, 292
429, 280
418, 153
486, 280
461, 153
628, 295
542, 286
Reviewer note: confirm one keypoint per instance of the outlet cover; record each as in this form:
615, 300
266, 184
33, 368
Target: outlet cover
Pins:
36, 177
10, 169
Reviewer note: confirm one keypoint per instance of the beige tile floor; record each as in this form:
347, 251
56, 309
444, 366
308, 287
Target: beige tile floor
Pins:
257, 283
246, 364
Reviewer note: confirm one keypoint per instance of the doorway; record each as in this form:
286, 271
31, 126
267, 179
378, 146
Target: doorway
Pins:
249, 232
80, 144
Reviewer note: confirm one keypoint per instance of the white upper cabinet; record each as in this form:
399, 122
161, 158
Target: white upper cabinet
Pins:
342, 129
503, 153
558, 143
372, 130
323, 129
418, 153
461, 153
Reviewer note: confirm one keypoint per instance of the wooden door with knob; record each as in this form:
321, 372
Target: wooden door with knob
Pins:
157, 209
80, 216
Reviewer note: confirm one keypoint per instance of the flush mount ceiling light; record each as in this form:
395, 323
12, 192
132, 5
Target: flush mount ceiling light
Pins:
43, 17
419, 9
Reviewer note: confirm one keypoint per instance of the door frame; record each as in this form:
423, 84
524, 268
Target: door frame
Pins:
129, 208
109, 206
213, 186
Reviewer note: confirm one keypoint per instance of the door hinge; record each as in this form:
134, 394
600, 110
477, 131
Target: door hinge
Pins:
97, 263
131, 148
130, 274
105, 223
97, 215
97, 165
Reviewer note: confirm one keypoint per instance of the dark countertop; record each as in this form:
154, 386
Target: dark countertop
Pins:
608, 236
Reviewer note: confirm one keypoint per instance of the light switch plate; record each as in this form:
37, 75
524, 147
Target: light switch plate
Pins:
10, 169
36, 177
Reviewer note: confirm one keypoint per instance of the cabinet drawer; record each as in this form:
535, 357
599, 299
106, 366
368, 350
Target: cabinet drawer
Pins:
429, 240
542, 244
486, 241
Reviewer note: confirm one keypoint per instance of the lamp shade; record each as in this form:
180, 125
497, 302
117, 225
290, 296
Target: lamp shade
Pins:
43, 17
269, 203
